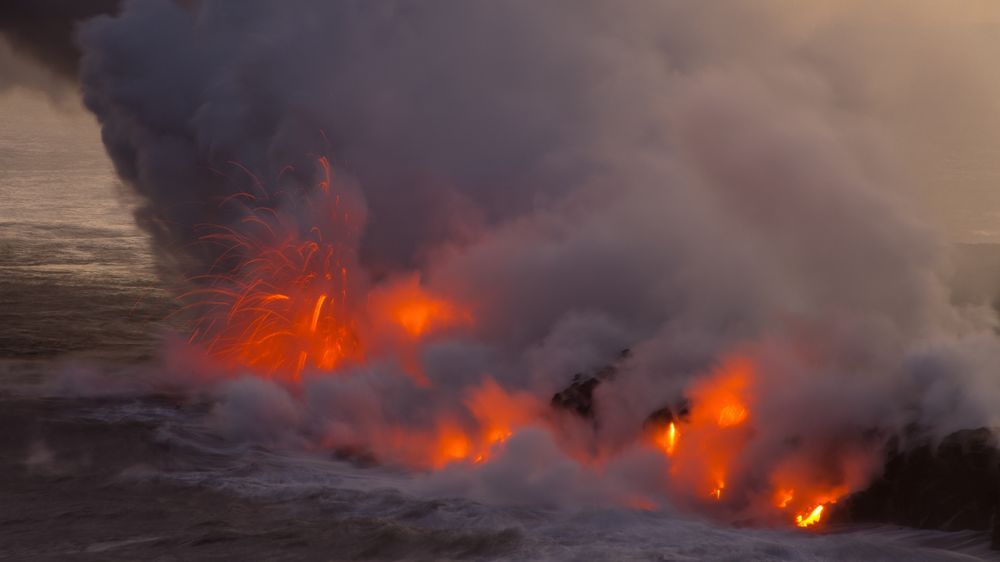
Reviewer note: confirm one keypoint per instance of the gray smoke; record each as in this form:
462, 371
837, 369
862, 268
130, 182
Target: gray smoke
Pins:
37, 44
686, 179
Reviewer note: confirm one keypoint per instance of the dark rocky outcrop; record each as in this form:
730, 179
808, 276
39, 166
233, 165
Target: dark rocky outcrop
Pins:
667, 415
578, 397
951, 485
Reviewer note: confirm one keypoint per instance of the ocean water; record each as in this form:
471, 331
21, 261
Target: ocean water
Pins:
76, 276
99, 462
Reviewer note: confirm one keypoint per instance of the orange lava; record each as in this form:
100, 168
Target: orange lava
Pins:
282, 299
666, 439
276, 300
409, 307
283, 296
812, 518
497, 415
708, 462
715, 431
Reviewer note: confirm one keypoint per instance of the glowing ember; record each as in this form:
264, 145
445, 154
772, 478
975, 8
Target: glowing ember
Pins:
715, 431
495, 415
282, 297
732, 414
277, 299
667, 439
811, 519
709, 463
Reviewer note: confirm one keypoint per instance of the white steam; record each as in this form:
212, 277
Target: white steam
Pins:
682, 178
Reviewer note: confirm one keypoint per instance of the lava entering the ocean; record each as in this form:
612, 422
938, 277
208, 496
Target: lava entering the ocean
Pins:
286, 293
705, 448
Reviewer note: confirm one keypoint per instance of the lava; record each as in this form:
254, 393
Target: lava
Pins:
496, 415
286, 292
709, 464
277, 300
716, 429
412, 310
666, 439
286, 295
812, 518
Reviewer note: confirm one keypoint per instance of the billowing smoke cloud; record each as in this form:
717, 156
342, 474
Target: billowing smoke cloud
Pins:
690, 180
37, 45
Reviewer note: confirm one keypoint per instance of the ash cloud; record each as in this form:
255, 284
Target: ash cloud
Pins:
685, 179
37, 44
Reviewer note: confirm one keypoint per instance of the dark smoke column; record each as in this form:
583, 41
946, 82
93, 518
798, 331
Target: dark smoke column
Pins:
44, 29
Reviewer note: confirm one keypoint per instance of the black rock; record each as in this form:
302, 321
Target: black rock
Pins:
953, 485
667, 415
578, 397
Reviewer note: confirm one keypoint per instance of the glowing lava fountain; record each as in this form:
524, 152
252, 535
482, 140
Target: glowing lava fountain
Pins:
285, 292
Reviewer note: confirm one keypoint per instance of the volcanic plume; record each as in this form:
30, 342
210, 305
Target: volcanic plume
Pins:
421, 218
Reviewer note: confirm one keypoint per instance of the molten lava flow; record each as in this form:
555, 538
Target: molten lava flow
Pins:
666, 439
497, 413
812, 518
283, 294
277, 298
709, 464
715, 431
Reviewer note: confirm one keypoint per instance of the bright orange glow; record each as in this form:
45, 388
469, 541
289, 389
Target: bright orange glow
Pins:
316, 311
413, 309
277, 298
719, 428
453, 445
783, 497
414, 316
282, 295
499, 413
715, 431
811, 519
666, 439
282, 299
803, 482
495, 416
732, 414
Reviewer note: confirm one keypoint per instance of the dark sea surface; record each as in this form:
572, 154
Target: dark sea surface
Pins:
100, 460
76, 276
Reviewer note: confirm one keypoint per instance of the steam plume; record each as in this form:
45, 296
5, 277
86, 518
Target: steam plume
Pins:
690, 180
